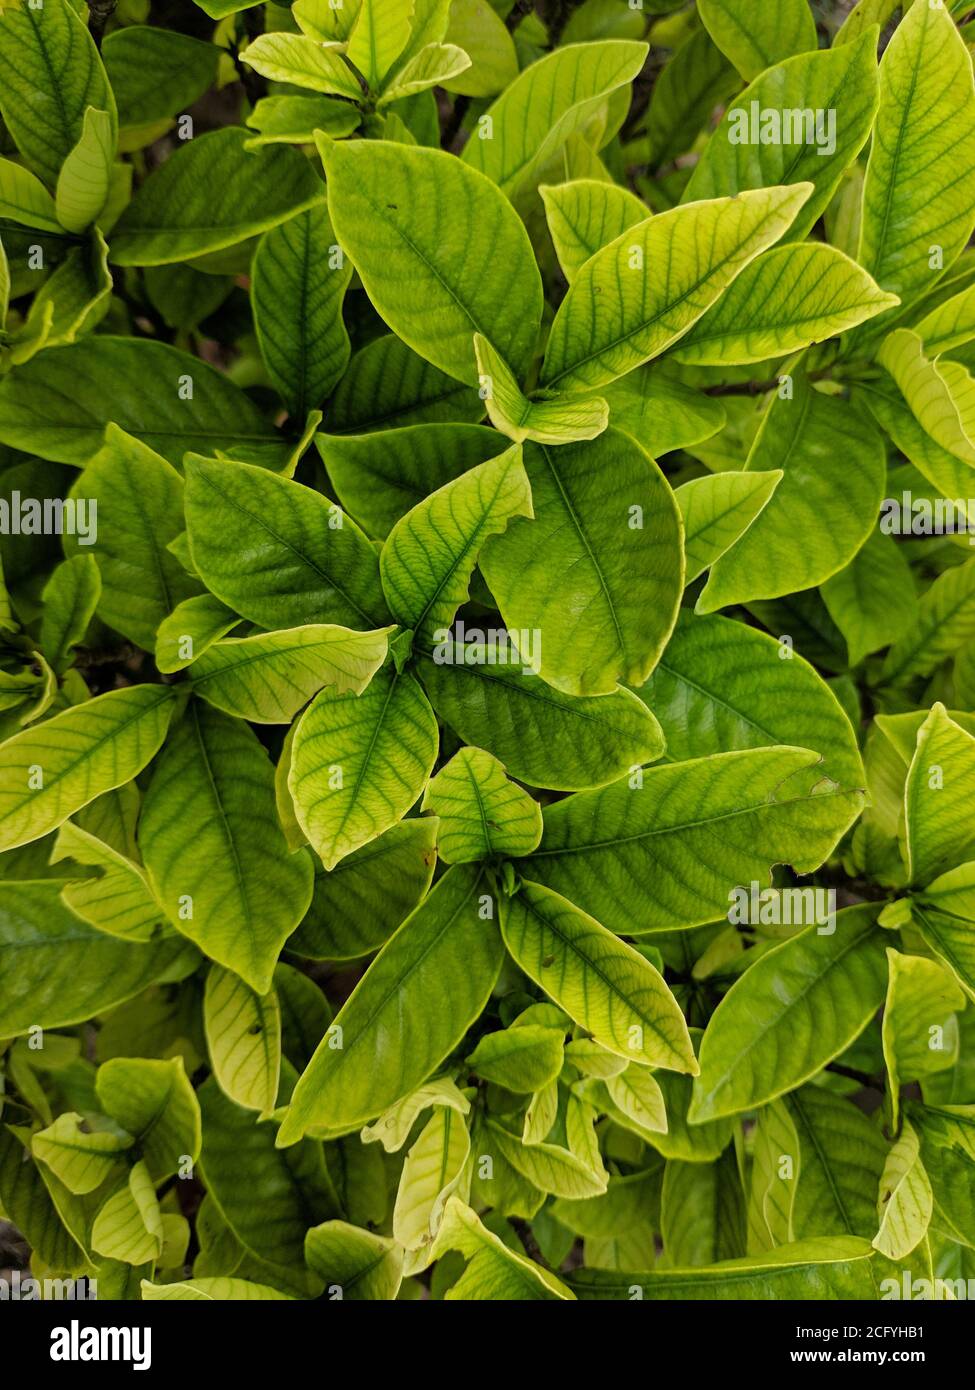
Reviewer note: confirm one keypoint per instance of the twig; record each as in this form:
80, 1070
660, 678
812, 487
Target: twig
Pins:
853, 1074
99, 13
525, 1234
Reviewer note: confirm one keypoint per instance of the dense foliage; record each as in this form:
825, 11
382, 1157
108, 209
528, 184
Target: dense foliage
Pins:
487, 648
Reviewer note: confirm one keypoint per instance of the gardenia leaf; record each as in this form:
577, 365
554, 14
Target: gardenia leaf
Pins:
270, 677
940, 834
642, 854
520, 1059
70, 598
389, 386
842, 1155
482, 813
919, 1031
434, 66
597, 573
606, 986
360, 761
716, 509
192, 627
222, 1289
429, 556
617, 314
354, 1263
433, 1170
927, 388
210, 194
117, 897
874, 599
244, 1039
945, 621
786, 299
772, 1030
50, 771
154, 1102
85, 177
214, 849
389, 1042
307, 561
420, 228
80, 1158
302, 62
661, 412
378, 37
755, 42
25, 199
906, 1201
584, 215
393, 1127
128, 1225
558, 420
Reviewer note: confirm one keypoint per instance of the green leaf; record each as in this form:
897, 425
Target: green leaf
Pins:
834, 1268
307, 561
550, 100
153, 1101
494, 1271
606, 986
756, 41
944, 914
128, 1226
378, 37
210, 194
874, 599
665, 849
25, 199
772, 1030
927, 387
436, 65
244, 1038
735, 158
702, 1212
584, 215
293, 120
597, 574
920, 1033
28, 1203
920, 182
482, 813
809, 435
138, 499
430, 554
85, 177
43, 52
660, 412
359, 904
615, 316
385, 1041
785, 300
945, 621
905, 1201
301, 62
722, 685
298, 282
214, 849
156, 72
717, 509
638, 1095
59, 971
192, 627
420, 226
389, 386
80, 1158
359, 762
70, 598
222, 1289
479, 31
116, 897
381, 476
354, 1264
940, 834
433, 1170
51, 771
554, 420
393, 1127
520, 1059
270, 677
549, 1167
842, 1155
59, 406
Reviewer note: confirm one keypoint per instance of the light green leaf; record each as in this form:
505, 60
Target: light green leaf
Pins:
192, 627
155, 72
520, 1059
949, 324
944, 622
50, 73
137, 498
393, 1127
549, 1167
222, 1289
51, 771
717, 509
359, 904
307, 561
433, 1171
128, 1226
320, 20
940, 833
25, 199
597, 574
80, 1158
873, 600
359, 762
615, 316
436, 65
302, 62
809, 435
384, 1041
378, 37
666, 849
636, 1092
389, 386
920, 183
758, 40
944, 914
927, 387
550, 100
59, 406
298, 283
153, 1101
83, 183
270, 677
735, 158
661, 412
354, 1264
420, 228
773, 1030
785, 300
606, 986
584, 215
919, 1030
430, 554
702, 1212
722, 685
210, 194
293, 120
243, 1032
554, 420
842, 1155
479, 31
482, 813
57, 970
906, 1201
70, 598
117, 899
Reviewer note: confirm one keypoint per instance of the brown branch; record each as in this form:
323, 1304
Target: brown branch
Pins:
527, 1237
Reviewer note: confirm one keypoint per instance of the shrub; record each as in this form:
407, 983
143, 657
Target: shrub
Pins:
488, 654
